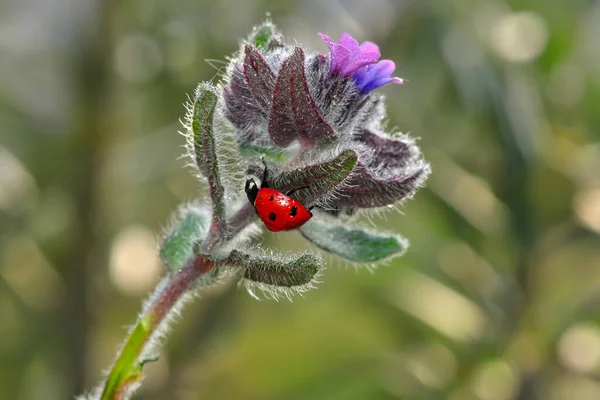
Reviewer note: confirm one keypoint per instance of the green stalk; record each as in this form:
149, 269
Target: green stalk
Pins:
127, 369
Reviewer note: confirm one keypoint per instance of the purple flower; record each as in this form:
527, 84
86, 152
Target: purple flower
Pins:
348, 58
373, 76
292, 102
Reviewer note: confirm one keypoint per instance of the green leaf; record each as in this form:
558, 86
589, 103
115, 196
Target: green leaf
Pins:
352, 243
315, 181
126, 371
273, 271
271, 153
265, 36
178, 247
205, 103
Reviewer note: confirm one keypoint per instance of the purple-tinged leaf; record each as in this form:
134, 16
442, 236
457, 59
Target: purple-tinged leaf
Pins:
294, 113
366, 190
241, 108
345, 108
243, 111
314, 182
310, 183
387, 153
259, 77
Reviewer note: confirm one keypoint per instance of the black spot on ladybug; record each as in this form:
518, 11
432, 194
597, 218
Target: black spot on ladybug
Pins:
271, 198
272, 216
293, 211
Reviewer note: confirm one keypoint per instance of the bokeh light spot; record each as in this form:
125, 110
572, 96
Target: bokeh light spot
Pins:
440, 307
433, 365
579, 347
519, 37
134, 265
495, 380
587, 208
16, 183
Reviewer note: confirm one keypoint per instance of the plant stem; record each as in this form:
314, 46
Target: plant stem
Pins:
127, 368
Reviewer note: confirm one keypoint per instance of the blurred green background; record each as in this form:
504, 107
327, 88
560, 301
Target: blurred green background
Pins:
498, 297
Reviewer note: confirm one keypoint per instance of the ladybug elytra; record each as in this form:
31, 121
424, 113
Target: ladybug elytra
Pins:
278, 211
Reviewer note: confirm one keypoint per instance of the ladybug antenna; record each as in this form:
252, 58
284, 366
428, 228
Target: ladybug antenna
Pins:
263, 183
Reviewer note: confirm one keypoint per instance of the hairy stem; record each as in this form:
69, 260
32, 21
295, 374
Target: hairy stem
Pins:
127, 368
241, 219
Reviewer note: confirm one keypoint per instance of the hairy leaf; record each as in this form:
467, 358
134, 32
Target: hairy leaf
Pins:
244, 112
125, 371
294, 113
258, 75
313, 182
177, 248
205, 103
240, 106
276, 272
275, 154
389, 152
367, 189
266, 36
352, 243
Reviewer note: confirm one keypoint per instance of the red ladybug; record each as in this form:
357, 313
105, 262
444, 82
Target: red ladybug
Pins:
278, 211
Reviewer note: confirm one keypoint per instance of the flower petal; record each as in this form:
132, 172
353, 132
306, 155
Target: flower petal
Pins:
349, 42
370, 50
360, 55
383, 81
374, 76
338, 54
382, 68
348, 56
355, 64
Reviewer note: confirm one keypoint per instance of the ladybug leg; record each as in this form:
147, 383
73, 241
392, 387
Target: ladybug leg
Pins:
294, 190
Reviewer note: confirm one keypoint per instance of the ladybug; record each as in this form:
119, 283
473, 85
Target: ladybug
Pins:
278, 211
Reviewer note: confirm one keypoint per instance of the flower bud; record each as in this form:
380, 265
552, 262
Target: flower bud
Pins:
284, 98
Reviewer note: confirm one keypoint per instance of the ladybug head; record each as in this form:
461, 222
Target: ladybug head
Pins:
251, 190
